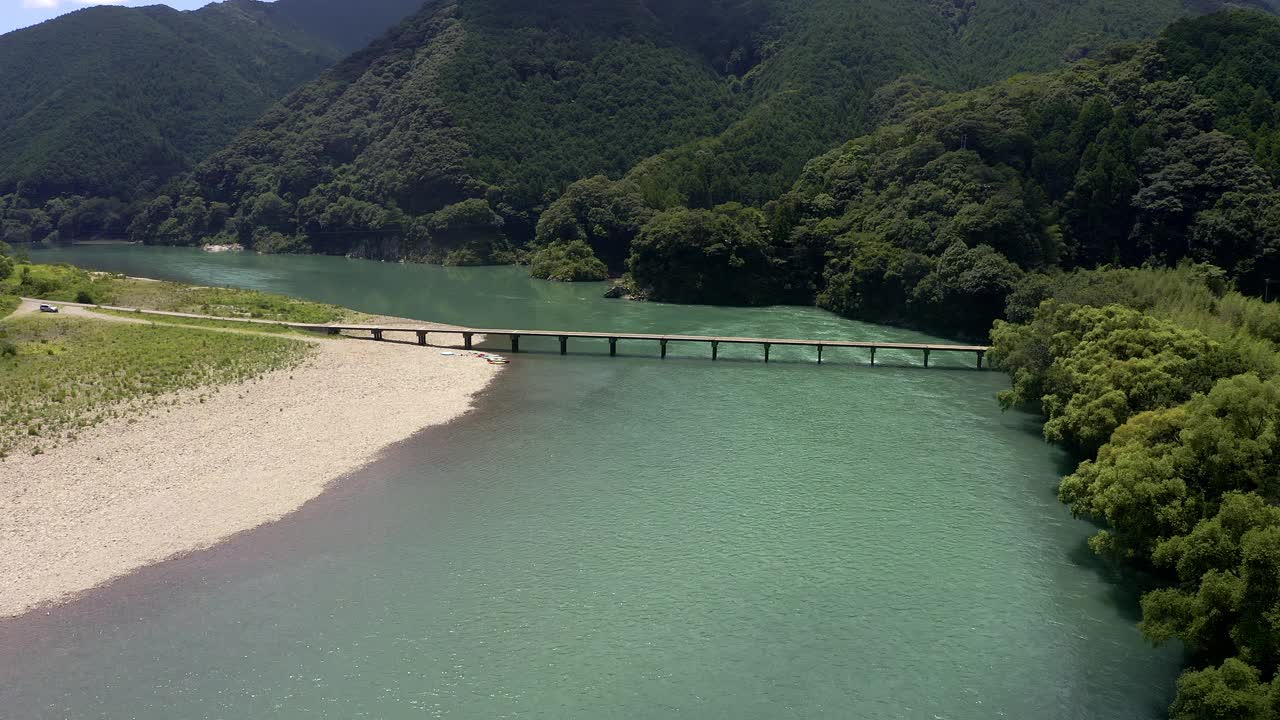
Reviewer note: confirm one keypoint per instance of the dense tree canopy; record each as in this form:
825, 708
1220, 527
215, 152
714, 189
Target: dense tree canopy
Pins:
719, 256
698, 103
1169, 385
113, 101
567, 261
606, 215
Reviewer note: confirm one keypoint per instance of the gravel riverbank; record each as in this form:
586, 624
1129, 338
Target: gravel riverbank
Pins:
139, 490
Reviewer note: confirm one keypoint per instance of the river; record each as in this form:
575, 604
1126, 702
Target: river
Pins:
625, 538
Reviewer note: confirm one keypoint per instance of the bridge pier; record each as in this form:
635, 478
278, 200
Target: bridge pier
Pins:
423, 333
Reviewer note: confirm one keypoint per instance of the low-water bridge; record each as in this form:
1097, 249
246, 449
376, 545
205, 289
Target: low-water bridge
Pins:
469, 334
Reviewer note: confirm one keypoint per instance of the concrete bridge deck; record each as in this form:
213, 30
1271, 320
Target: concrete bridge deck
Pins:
469, 334
715, 341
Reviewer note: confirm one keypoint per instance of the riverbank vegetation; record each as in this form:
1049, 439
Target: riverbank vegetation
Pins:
1168, 384
61, 375
71, 284
200, 322
8, 298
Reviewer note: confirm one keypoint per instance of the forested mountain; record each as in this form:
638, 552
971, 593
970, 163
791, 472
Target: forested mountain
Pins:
449, 137
112, 101
1160, 152
829, 62
347, 25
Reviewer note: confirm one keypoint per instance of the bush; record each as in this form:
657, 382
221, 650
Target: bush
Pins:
716, 257
570, 261
604, 214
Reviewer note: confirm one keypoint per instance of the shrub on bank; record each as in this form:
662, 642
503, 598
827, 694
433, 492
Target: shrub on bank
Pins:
567, 261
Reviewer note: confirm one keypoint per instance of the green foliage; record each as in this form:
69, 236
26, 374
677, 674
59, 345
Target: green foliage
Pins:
718, 256
146, 94
1233, 58
485, 100
607, 215
222, 302
567, 261
1164, 470
68, 217
8, 303
540, 92
873, 280
1191, 296
67, 374
802, 99
1112, 161
55, 282
67, 283
1230, 691
1186, 475
464, 233
1227, 583
700, 103
1091, 369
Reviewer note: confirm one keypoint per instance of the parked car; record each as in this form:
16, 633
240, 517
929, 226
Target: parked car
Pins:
49, 308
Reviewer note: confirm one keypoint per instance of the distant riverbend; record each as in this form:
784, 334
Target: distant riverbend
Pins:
626, 538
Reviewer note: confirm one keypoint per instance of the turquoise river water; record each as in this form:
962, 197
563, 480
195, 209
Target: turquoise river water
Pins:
625, 538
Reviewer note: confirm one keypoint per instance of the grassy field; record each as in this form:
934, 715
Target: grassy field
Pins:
204, 323
70, 284
61, 375
8, 303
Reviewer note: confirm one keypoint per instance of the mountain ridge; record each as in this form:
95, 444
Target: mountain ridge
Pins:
113, 101
538, 95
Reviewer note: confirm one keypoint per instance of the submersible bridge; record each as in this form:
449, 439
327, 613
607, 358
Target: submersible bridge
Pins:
468, 336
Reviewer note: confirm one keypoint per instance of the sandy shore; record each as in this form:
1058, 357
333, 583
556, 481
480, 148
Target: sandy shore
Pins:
128, 494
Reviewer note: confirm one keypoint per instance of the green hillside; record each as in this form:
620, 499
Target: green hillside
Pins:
112, 101
506, 103
826, 73
449, 133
